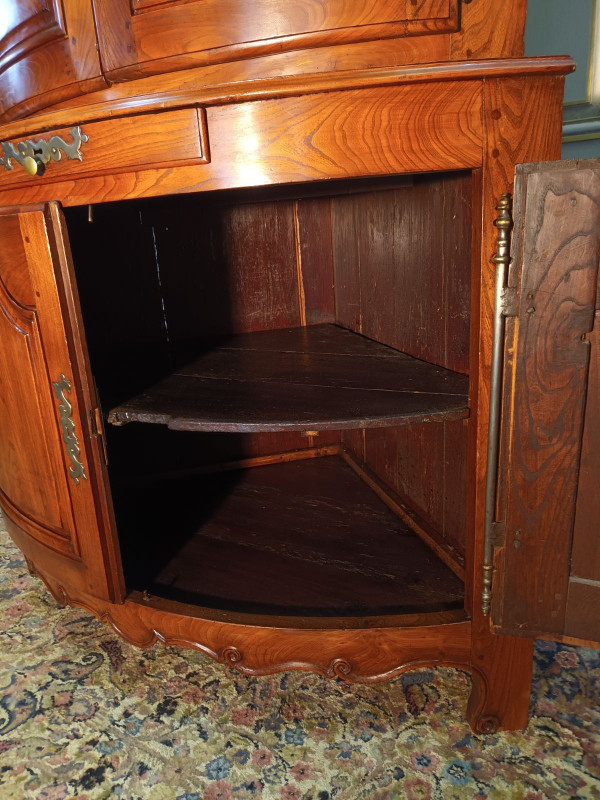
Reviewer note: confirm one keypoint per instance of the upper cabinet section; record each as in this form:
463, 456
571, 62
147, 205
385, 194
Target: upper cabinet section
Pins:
142, 37
51, 51
48, 53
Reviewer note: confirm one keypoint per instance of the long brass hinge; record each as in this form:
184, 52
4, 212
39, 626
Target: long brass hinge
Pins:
505, 305
509, 302
97, 430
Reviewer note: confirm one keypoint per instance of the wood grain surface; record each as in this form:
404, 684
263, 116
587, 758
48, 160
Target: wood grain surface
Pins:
406, 283
522, 124
169, 139
65, 522
299, 538
156, 94
149, 38
315, 378
363, 655
558, 219
585, 556
47, 53
490, 29
521, 120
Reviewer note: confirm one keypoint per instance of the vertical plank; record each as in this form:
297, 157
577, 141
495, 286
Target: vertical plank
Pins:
346, 262
401, 269
400, 279
585, 560
456, 251
242, 257
410, 281
522, 122
355, 442
315, 252
455, 483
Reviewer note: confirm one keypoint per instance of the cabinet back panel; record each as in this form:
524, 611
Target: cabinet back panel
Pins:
154, 275
390, 261
402, 277
402, 267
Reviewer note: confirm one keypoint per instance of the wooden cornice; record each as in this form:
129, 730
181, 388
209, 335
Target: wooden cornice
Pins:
273, 88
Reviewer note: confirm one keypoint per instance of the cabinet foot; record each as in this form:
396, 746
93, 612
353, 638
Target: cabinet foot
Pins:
501, 670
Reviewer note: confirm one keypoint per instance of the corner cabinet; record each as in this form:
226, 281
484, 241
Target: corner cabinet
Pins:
246, 362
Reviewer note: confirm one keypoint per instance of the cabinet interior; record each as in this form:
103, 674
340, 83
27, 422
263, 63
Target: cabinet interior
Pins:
305, 472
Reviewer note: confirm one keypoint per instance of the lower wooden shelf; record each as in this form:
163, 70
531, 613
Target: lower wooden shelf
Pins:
306, 538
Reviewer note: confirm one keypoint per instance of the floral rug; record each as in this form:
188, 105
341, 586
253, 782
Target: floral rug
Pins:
84, 715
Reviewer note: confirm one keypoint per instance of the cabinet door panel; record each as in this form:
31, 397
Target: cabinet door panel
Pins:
58, 507
547, 354
142, 36
48, 53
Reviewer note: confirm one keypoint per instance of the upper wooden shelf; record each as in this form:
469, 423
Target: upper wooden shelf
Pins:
320, 377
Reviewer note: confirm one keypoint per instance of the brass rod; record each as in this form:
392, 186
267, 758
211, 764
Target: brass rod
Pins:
501, 259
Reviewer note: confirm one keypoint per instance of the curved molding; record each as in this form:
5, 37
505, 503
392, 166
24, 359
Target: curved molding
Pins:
15, 312
363, 655
54, 538
41, 28
273, 88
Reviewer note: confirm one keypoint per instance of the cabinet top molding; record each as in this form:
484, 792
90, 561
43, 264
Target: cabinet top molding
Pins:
103, 105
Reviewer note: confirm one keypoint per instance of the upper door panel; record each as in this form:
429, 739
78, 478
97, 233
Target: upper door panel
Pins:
48, 53
547, 387
143, 36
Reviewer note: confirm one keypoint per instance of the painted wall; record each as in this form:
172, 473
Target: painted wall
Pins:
572, 27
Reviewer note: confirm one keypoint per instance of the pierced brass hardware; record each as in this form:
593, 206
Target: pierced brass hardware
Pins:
505, 305
33, 156
65, 410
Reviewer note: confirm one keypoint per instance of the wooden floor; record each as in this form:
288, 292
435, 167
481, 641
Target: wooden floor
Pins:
301, 538
320, 377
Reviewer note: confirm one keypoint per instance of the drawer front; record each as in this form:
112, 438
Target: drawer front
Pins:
153, 35
146, 141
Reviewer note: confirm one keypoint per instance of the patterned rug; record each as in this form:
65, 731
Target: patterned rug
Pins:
84, 715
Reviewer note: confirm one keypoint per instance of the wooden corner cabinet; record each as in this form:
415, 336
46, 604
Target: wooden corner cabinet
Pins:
249, 284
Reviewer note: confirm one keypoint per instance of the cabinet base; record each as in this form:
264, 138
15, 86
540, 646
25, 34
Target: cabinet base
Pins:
501, 680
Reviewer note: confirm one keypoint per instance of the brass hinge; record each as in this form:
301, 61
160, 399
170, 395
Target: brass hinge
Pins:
498, 533
509, 302
97, 429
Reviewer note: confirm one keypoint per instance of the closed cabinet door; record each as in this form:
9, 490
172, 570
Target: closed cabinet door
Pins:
143, 36
48, 53
545, 518
52, 476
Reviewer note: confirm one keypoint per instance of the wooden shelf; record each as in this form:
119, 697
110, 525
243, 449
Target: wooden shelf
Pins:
321, 377
301, 538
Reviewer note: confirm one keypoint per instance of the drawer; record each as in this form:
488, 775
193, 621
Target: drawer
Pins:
126, 144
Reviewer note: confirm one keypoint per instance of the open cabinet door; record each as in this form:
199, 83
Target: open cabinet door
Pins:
546, 576
52, 477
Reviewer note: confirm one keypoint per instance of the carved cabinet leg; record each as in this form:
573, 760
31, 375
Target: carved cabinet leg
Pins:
501, 669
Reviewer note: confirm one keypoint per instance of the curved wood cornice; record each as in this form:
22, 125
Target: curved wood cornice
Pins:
272, 88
